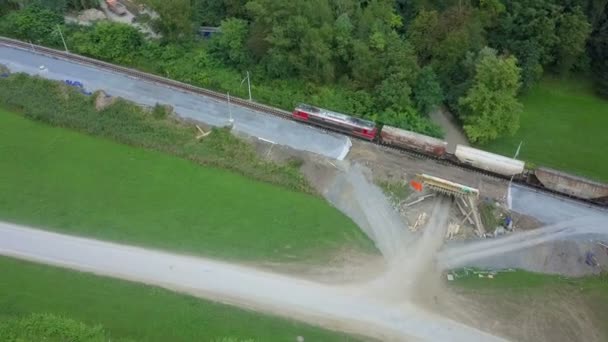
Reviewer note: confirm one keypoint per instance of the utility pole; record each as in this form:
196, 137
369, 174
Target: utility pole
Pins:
230, 120
248, 84
511, 180
62, 39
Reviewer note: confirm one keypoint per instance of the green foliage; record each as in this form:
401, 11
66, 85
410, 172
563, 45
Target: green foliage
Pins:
427, 92
491, 108
397, 191
572, 31
35, 23
159, 111
136, 311
108, 41
57, 6
230, 45
175, 22
369, 52
541, 33
598, 50
48, 327
409, 119
125, 122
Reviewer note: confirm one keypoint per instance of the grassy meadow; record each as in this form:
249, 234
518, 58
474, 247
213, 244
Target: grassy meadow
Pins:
564, 125
78, 184
137, 312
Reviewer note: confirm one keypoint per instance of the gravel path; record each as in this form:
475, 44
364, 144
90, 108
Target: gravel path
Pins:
347, 308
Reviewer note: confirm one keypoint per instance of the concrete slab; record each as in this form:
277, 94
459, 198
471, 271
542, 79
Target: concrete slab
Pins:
204, 109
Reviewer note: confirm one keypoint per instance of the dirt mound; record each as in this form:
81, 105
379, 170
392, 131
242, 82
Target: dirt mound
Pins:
91, 14
103, 100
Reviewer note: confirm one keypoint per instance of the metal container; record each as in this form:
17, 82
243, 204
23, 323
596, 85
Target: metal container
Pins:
413, 141
571, 185
489, 161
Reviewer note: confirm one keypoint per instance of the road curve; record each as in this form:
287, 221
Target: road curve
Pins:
341, 308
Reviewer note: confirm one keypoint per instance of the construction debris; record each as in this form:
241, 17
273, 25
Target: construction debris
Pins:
418, 200
419, 222
453, 230
202, 133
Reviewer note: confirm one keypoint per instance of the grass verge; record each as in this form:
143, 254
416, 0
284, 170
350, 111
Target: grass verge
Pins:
138, 312
60, 105
396, 191
563, 126
78, 184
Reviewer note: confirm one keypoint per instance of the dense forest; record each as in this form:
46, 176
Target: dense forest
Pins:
389, 60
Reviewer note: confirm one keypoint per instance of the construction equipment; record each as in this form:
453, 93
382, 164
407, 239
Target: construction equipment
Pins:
467, 196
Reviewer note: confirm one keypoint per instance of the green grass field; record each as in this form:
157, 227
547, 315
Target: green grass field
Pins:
134, 311
563, 126
66, 181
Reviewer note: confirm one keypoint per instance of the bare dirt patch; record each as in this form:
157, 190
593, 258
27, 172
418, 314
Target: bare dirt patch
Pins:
344, 267
524, 316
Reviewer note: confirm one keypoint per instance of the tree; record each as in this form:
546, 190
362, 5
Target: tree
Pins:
230, 45
394, 92
490, 107
427, 91
109, 41
293, 38
34, 23
176, 18
425, 34
572, 31
598, 51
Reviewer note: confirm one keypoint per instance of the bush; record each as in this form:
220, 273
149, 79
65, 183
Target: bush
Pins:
60, 105
48, 327
108, 41
35, 24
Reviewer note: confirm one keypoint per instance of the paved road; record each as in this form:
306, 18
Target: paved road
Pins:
453, 133
508, 251
549, 208
344, 308
210, 111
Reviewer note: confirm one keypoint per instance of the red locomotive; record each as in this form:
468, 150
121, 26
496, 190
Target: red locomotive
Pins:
336, 121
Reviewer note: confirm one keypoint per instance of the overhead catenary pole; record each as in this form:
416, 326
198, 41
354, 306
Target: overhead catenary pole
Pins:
62, 39
248, 85
511, 180
229, 109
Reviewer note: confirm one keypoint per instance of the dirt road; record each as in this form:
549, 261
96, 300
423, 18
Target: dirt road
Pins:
347, 308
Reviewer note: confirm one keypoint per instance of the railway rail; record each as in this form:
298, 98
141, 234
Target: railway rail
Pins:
451, 161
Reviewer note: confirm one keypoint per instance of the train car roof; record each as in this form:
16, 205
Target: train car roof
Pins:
336, 116
412, 134
571, 176
487, 155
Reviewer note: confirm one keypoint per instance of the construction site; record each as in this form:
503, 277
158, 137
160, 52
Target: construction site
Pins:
433, 225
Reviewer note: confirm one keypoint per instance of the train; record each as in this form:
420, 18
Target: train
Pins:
465, 156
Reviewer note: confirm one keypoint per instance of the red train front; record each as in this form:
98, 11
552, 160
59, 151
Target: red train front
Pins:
336, 121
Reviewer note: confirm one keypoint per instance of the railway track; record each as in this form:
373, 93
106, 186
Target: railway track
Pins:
452, 162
